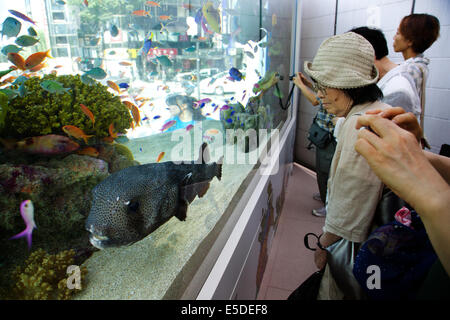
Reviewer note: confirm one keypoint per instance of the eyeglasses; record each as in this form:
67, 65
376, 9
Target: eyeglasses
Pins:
318, 87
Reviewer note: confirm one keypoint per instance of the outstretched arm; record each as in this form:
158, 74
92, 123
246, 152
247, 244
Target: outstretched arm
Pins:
306, 88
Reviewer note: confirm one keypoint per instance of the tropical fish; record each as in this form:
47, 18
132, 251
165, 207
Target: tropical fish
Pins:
114, 31
39, 67
5, 72
11, 27
60, 2
132, 203
26, 41
168, 125
124, 85
153, 4
212, 132
235, 74
160, 156
11, 48
249, 54
86, 3
36, 58
156, 117
87, 80
54, 87
32, 32
89, 151
125, 63
202, 101
17, 60
187, 6
129, 104
225, 107
165, 18
113, 86
58, 66
22, 90
136, 116
96, 73
141, 13
112, 134
212, 16
49, 144
21, 16
77, 133
164, 60
27, 213
147, 45
88, 112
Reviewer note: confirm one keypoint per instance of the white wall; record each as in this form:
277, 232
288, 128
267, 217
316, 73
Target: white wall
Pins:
318, 20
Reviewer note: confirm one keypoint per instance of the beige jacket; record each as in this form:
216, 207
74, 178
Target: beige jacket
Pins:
353, 188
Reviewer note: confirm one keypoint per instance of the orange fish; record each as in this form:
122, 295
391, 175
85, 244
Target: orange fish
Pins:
113, 86
165, 18
88, 112
37, 58
76, 132
153, 4
129, 104
39, 67
57, 67
141, 13
125, 63
89, 151
112, 134
86, 3
160, 156
212, 131
9, 79
136, 115
17, 60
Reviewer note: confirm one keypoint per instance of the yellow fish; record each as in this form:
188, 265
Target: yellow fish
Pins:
112, 134
88, 112
17, 60
113, 86
89, 151
160, 156
37, 58
136, 115
76, 132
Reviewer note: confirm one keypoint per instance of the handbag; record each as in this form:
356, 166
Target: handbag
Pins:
388, 205
340, 259
318, 136
403, 253
309, 289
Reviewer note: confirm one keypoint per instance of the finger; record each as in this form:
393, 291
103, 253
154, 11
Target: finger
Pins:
390, 113
408, 121
380, 126
376, 111
365, 148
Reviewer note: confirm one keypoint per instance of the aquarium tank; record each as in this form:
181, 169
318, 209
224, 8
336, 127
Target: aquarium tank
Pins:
127, 130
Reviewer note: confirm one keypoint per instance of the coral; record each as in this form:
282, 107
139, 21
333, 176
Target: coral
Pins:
39, 112
124, 151
44, 276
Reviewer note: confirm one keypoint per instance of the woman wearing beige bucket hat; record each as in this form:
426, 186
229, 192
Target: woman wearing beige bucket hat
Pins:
345, 79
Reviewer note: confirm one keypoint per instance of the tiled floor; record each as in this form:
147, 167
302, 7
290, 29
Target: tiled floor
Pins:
290, 263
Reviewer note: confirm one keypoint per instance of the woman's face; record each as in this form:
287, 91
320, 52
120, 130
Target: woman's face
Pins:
335, 101
400, 43
174, 110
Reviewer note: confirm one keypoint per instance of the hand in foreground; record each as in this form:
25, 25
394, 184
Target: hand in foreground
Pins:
320, 258
399, 116
397, 159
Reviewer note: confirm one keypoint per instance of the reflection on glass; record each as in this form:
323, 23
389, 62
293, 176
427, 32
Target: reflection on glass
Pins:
91, 88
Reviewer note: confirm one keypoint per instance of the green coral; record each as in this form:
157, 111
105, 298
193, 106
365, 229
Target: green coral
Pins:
40, 112
44, 276
124, 151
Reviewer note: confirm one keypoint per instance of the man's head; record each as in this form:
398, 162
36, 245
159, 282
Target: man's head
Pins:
376, 39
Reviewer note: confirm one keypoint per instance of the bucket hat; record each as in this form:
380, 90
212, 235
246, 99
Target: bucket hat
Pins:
345, 61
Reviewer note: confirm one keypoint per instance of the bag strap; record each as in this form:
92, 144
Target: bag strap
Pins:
422, 98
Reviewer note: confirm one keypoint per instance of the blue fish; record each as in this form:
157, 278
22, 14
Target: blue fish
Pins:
87, 80
11, 27
11, 48
97, 73
144, 118
32, 32
229, 120
236, 74
124, 85
114, 31
156, 117
26, 41
54, 87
